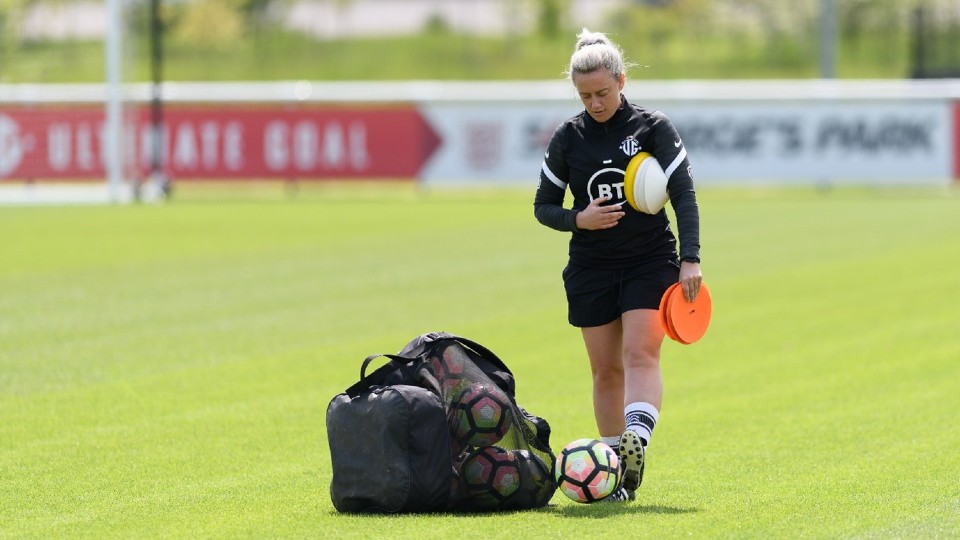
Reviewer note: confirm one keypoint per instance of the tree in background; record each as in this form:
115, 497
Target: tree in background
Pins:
208, 23
220, 23
11, 11
551, 15
861, 22
246, 39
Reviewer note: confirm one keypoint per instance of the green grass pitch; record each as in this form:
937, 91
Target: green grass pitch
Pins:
165, 370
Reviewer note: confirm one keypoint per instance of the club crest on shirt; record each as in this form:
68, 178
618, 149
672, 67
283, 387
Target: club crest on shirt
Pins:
630, 146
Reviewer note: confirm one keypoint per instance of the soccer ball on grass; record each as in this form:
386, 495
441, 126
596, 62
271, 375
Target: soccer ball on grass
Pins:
587, 470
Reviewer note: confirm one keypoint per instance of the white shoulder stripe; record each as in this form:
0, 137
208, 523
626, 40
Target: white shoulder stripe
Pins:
676, 162
553, 178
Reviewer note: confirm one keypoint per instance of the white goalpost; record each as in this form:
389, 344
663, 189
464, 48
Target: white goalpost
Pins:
113, 126
101, 141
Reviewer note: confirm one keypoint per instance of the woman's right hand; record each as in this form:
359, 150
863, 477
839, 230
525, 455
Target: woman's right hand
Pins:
595, 216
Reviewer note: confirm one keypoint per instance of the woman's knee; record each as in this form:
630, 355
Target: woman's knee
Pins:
608, 375
640, 356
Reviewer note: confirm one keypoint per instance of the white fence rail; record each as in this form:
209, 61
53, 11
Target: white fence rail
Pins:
487, 91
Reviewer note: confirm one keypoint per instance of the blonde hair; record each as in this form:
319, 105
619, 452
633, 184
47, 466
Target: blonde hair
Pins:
594, 51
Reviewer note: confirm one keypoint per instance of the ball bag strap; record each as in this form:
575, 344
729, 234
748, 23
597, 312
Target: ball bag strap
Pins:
433, 337
378, 376
400, 360
483, 351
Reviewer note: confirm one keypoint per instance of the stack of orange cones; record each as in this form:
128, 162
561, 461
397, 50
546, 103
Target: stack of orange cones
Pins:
682, 321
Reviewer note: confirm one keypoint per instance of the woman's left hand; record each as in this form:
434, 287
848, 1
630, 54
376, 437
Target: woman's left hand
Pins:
690, 279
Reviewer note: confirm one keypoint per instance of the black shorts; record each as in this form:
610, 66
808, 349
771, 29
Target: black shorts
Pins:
596, 297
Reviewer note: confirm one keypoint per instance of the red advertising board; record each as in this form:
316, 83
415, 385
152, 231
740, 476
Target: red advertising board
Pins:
221, 142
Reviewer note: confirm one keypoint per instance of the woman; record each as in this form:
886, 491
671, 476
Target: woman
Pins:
621, 260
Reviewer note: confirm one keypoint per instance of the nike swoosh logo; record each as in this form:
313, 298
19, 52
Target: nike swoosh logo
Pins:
677, 144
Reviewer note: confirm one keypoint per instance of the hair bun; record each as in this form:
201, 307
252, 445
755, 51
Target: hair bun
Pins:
594, 50
586, 38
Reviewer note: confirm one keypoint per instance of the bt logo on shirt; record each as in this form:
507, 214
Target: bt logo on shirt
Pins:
607, 183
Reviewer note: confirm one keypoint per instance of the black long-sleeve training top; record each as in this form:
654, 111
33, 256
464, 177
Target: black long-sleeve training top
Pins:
590, 158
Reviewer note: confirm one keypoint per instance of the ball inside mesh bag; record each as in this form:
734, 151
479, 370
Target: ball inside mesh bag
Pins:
491, 475
482, 414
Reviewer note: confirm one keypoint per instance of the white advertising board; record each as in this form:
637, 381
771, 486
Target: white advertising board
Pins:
491, 143
861, 132
882, 142
730, 142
